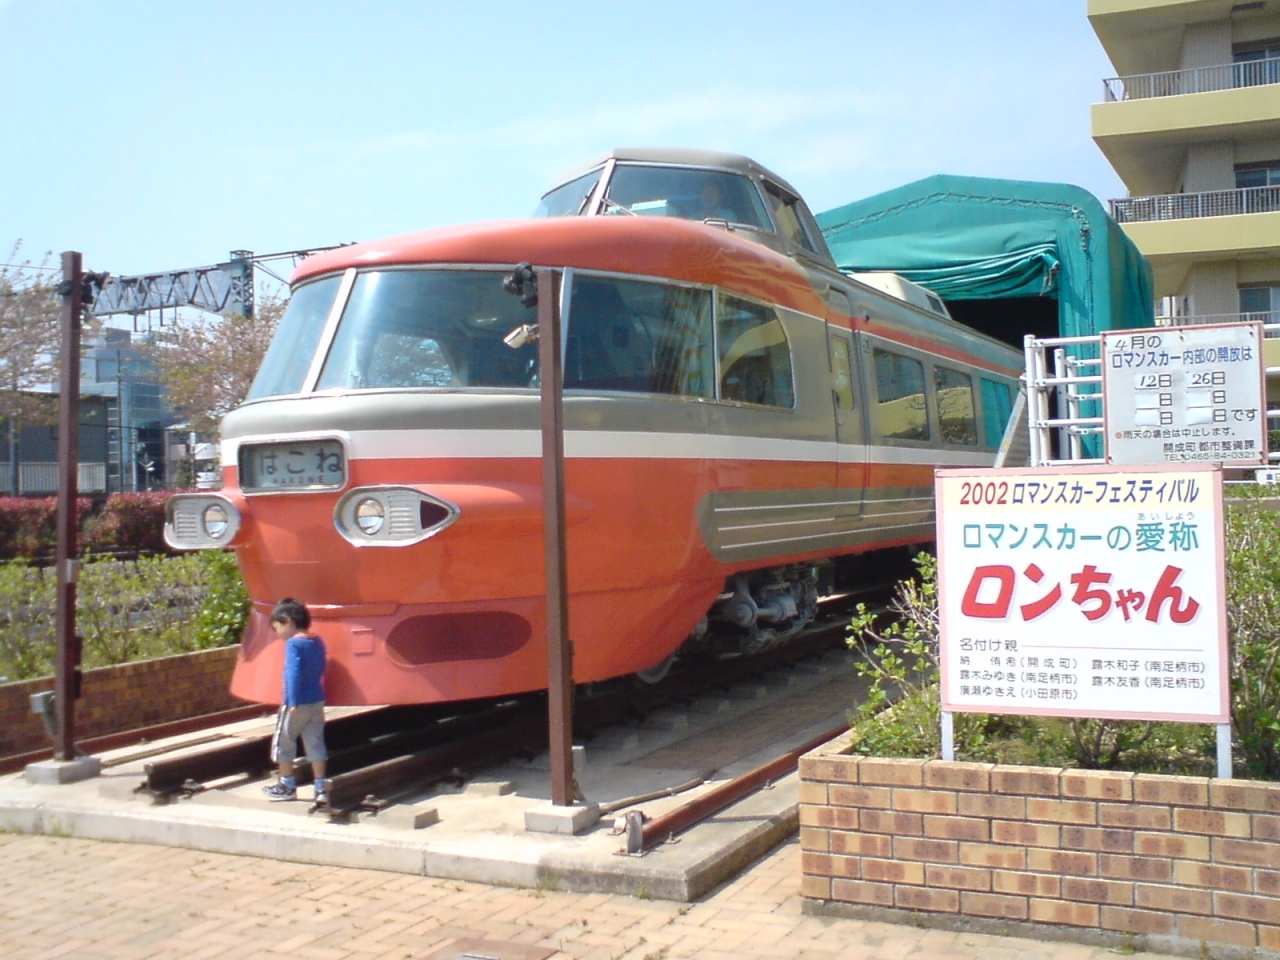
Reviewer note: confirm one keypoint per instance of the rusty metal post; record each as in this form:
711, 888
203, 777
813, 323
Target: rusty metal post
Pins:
67, 666
559, 646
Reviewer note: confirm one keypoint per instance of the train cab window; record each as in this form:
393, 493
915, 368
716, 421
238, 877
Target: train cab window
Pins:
686, 192
285, 366
788, 214
997, 407
430, 328
953, 392
901, 413
841, 377
755, 357
639, 337
569, 199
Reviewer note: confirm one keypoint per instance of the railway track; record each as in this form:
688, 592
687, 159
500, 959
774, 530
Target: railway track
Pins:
382, 756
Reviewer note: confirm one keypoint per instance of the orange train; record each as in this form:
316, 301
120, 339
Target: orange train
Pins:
744, 427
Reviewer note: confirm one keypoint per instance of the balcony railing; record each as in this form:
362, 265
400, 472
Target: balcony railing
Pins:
1269, 318
1173, 83
1185, 206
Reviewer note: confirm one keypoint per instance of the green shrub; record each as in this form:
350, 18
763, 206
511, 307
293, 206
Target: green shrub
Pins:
125, 610
1253, 619
226, 605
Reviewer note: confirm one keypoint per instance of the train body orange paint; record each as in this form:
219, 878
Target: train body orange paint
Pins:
742, 423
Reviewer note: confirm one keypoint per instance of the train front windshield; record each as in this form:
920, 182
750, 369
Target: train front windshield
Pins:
431, 328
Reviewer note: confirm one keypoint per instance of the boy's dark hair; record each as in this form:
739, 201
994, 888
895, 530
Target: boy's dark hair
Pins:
291, 609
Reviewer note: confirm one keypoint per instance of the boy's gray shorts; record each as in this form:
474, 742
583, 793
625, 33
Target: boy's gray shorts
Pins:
307, 723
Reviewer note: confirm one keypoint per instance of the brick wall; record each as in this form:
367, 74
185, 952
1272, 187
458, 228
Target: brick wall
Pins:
1166, 862
124, 697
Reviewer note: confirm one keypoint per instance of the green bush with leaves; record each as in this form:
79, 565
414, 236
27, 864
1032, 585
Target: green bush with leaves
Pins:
1253, 620
125, 609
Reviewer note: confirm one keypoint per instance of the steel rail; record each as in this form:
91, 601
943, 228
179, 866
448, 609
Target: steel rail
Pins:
128, 738
662, 829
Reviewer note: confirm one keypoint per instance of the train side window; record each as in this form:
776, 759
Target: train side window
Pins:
786, 215
841, 376
953, 393
285, 366
639, 337
997, 407
755, 357
901, 411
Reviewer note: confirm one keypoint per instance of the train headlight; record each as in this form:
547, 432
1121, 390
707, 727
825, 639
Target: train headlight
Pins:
370, 516
214, 519
391, 516
200, 521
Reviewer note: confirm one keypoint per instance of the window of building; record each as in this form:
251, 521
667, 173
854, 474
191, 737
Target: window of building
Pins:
640, 337
1256, 63
953, 392
1259, 303
1265, 174
755, 357
901, 411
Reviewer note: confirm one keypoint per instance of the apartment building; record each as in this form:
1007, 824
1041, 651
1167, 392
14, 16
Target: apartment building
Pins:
1191, 124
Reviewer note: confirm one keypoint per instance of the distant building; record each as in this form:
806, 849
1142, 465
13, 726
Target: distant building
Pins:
123, 427
1192, 126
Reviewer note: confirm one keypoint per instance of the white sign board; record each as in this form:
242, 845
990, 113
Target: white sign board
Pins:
1083, 592
1185, 395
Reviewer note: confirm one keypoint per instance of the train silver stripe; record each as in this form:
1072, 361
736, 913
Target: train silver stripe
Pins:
600, 444
854, 536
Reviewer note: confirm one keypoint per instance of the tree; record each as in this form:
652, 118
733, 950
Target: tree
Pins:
207, 364
30, 311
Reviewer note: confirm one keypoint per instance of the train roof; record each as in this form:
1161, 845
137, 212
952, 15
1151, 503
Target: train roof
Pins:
681, 250
680, 157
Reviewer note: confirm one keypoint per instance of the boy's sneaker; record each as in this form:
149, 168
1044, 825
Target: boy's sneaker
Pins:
322, 797
278, 791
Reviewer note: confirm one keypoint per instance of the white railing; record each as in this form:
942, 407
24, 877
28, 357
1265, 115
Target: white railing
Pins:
1185, 206
1173, 83
42, 478
1269, 319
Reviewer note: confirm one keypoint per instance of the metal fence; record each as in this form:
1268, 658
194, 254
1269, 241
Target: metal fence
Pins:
1173, 83
1185, 206
42, 477
1270, 319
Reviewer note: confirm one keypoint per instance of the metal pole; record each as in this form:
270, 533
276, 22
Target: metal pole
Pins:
948, 736
66, 685
1224, 750
559, 646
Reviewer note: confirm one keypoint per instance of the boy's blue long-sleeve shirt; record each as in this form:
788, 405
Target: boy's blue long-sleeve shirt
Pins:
303, 670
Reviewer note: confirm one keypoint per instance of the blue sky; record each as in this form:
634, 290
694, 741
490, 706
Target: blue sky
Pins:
158, 134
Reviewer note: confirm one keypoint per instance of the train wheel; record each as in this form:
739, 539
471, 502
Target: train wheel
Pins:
658, 671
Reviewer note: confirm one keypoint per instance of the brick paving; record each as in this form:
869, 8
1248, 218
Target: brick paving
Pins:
84, 900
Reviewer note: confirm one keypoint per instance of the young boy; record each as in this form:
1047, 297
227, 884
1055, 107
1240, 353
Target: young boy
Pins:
302, 703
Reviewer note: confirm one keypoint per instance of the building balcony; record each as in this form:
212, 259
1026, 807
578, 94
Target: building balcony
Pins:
1173, 231
1184, 206
1147, 121
1174, 83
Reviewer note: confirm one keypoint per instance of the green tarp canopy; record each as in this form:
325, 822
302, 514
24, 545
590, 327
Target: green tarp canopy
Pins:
972, 238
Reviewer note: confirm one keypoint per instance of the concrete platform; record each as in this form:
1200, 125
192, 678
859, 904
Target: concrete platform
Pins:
479, 832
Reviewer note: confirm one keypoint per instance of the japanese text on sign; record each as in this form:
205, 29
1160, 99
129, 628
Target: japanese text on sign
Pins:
1060, 587
1184, 394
